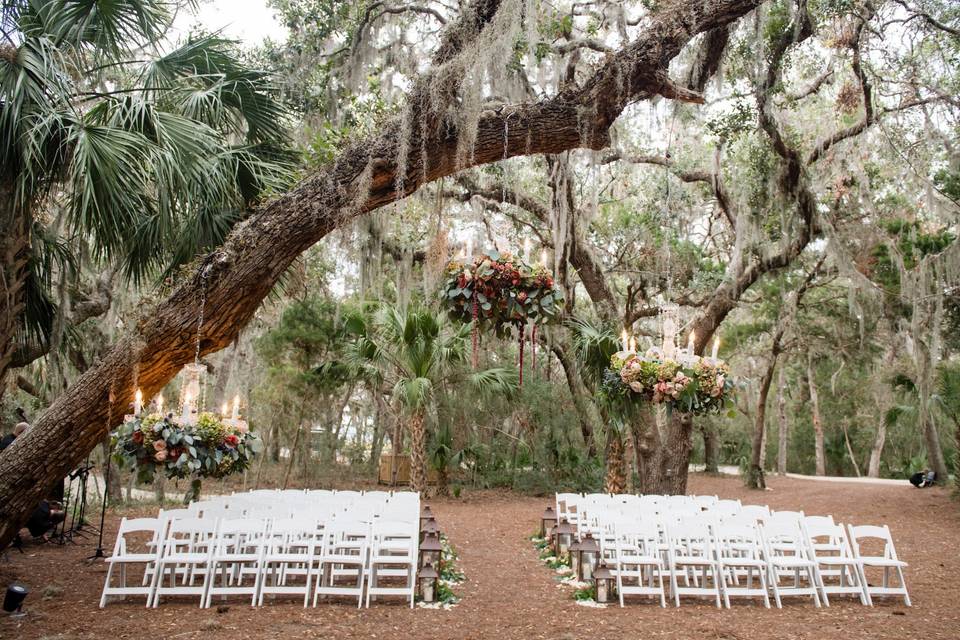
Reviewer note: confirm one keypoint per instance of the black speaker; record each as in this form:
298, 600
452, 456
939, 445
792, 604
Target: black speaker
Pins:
16, 594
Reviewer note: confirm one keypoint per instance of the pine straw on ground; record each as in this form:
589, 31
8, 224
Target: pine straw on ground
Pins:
509, 594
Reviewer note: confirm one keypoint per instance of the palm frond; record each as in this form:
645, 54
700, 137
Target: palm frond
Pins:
495, 381
594, 346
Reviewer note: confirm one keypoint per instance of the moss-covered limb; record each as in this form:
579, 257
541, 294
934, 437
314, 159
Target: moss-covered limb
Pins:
365, 176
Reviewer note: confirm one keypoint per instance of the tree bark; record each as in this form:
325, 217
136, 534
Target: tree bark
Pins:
365, 176
666, 465
14, 256
616, 477
418, 453
820, 458
711, 449
755, 479
783, 424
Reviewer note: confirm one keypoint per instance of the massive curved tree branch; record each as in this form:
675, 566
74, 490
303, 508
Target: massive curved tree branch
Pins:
237, 277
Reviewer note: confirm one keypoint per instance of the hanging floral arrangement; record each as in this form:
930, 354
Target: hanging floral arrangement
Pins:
207, 447
499, 291
689, 383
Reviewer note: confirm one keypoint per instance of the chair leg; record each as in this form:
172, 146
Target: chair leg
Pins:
106, 585
903, 585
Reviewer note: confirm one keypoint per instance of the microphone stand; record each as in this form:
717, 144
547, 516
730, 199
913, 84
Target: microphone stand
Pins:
99, 553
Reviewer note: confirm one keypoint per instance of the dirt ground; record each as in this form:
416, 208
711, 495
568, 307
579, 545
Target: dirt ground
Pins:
510, 594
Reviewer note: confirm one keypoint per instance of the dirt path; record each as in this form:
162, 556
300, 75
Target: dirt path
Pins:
509, 594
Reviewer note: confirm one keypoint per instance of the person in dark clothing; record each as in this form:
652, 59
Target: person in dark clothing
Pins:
923, 479
47, 515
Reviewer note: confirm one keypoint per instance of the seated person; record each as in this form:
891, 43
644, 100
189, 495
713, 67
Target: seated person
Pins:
8, 439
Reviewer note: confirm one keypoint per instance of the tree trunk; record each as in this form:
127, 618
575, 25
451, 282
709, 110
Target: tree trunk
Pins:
363, 177
820, 458
418, 453
711, 448
587, 412
666, 456
876, 451
616, 477
755, 479
14, 255
783, 424
293, 454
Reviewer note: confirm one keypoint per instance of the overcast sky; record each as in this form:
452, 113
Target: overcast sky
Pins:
248, 20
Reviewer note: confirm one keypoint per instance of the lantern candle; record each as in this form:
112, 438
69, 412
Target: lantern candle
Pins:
236, 408
691, 343
543, 257
137, 403
716, 347
633, 344
186, 407
160, 404
625, 340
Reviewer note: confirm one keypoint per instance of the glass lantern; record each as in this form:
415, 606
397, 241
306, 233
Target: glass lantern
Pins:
428, 579
587, 553
547, 521
430, 549
604, 584
190, 392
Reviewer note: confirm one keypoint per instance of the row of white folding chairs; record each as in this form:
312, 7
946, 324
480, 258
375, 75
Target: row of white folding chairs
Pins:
273, 554
811, 551
570, 506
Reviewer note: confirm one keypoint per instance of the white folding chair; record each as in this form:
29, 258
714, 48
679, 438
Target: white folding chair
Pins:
705, 502
637, 562
834, 559
236, 557
288, 560
690, 549
129, 552
343, 554
187, 549
393, 557
740, 553
787, 555
887, 560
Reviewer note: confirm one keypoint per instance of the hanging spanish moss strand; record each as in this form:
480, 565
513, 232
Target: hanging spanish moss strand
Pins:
201, 399
476, 330
523, 335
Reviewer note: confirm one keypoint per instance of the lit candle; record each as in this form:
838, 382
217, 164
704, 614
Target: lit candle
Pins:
137, 403
543, 257
160, 404
633, 344
625, 339
223, 410
186, 407
236, 407
716, 347
691, 342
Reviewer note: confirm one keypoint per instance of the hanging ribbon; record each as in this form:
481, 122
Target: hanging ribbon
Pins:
475, 333
533, 345
523, 334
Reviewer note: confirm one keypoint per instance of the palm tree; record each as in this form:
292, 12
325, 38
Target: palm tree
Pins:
416, 352
595, 346
147, 158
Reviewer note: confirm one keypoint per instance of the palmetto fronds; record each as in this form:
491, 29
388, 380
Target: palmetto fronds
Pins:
156, 158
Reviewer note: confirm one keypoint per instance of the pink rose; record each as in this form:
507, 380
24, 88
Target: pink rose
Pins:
242, 426
137, 437
159, 445
161, 455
